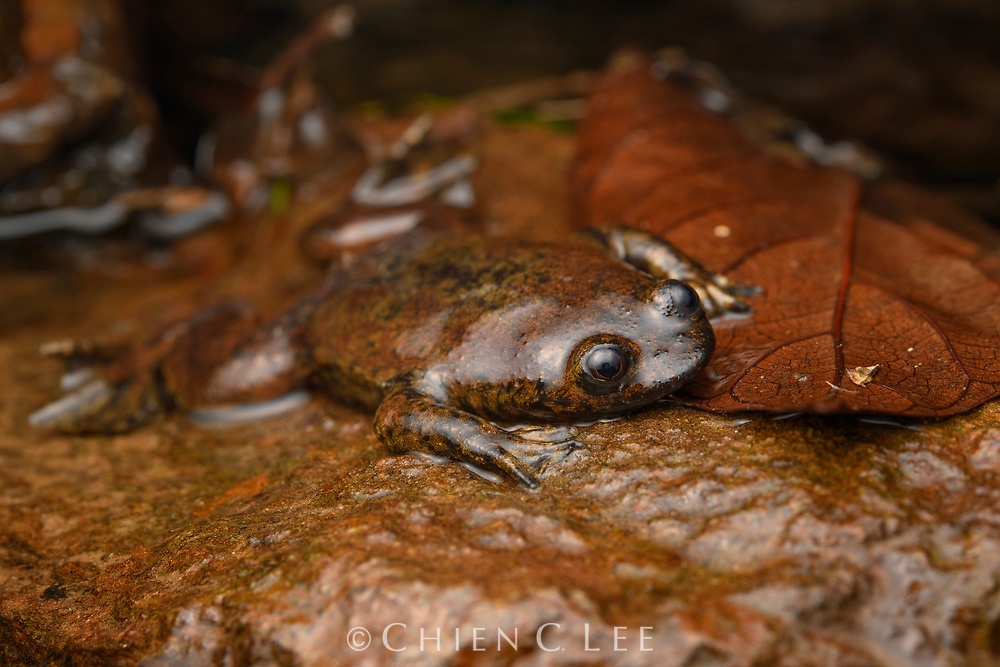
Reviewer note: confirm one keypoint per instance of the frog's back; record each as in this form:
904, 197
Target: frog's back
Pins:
403, 308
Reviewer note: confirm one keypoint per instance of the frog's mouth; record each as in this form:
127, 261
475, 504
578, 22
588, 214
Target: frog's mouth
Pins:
665, 368
658, 371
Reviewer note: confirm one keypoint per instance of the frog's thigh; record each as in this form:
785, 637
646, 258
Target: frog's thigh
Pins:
227, 358
409, 422
203, 345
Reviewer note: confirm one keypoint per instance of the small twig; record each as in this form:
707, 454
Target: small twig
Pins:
337, 23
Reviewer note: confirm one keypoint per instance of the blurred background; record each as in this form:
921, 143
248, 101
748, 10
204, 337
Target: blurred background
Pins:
916, 79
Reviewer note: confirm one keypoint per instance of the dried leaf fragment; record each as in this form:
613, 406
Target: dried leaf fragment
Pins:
862, 375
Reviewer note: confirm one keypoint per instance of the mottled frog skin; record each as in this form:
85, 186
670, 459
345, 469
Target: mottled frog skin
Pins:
461, 332
443, 336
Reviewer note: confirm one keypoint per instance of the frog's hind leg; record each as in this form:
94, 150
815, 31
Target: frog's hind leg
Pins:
126, 391
219, 356
408, 421
240, 375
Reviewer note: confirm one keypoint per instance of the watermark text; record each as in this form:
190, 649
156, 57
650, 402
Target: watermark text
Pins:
548, 637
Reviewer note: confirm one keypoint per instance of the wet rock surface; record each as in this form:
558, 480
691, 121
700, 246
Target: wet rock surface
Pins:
677, 536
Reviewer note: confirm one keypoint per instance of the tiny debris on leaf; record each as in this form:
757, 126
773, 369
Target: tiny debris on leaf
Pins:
862, 375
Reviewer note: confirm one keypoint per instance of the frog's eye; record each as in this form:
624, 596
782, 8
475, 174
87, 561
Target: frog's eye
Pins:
606, 363
684, 298
677, 298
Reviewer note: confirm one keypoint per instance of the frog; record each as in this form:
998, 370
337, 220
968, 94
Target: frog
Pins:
445, 337
449, 339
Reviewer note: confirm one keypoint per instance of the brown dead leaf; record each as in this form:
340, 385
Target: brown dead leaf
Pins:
850, 276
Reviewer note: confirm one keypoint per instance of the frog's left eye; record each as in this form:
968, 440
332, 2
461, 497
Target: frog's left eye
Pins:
606, 363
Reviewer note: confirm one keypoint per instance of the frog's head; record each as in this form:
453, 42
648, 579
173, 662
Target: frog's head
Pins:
624, 353
620, 345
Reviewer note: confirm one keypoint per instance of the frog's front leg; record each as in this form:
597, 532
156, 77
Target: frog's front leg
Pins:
408, 421
659, 258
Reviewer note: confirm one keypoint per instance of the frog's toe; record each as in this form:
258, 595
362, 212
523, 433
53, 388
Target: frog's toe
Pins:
741, 289
502, 458
97, 406
724, 297
538, 456
518, 472
166, 225
546, 433
84, 400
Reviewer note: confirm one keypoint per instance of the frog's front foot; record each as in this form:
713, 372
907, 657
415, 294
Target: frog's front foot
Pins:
647, 252
537, 453
721, 296
408, 421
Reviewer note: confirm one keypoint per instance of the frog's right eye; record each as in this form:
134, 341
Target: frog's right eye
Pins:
606, 363
675, 297
685, 299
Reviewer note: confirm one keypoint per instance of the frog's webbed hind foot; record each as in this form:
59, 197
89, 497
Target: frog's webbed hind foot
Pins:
98, 406
649, 253
408, 421
94, 400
